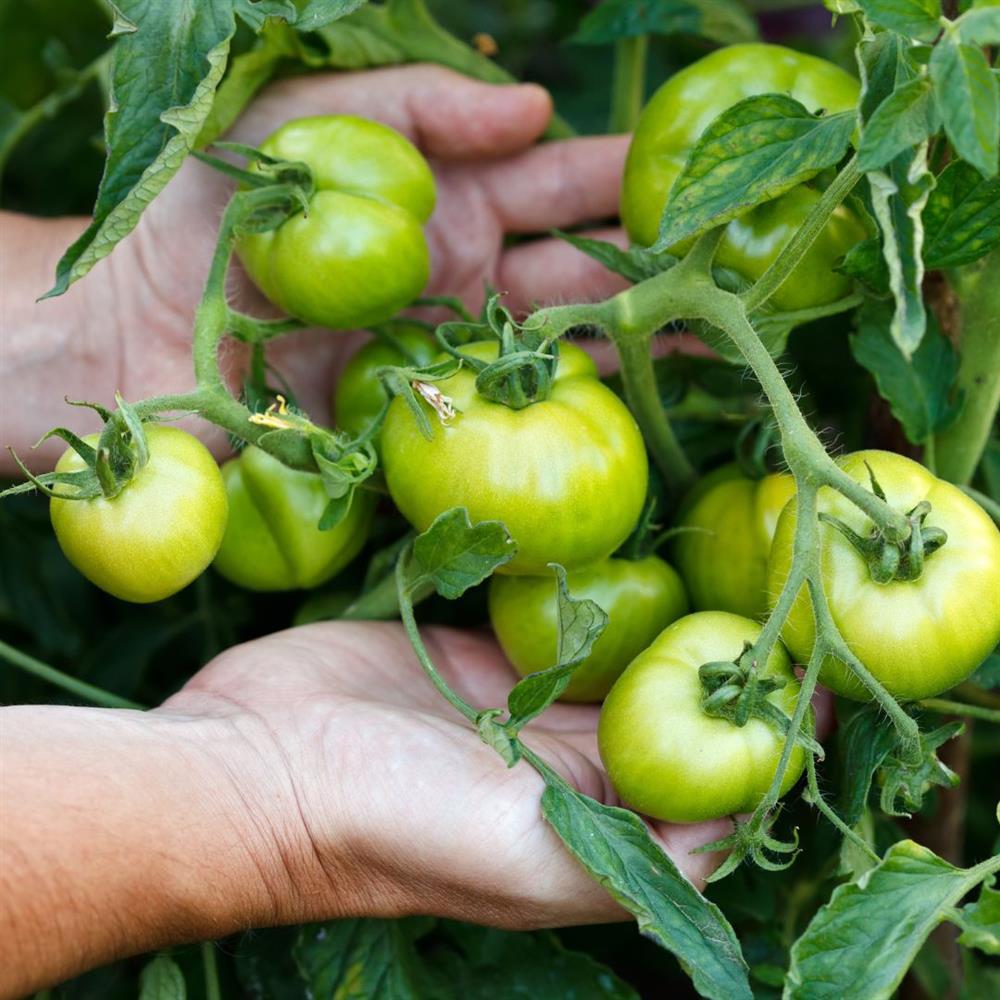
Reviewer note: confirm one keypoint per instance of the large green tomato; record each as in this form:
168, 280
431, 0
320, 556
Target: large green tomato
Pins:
359, 396
641, 598
159, 532
724, 562
567, 475
665, 756
672, 123
272, 540
919, 637
358, 255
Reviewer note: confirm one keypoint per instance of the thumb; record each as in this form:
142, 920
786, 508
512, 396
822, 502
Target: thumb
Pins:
444, 113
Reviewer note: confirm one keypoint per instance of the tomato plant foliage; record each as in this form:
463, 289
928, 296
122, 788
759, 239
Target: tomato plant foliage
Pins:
827, 227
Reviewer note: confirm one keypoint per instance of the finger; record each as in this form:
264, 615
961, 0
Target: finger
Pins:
557, 184
551, 270
680, 839
446, 114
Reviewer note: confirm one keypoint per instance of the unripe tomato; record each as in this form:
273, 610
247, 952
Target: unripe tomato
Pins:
359, 395
358, 255
917, 637
567, 475
272, 540
665, 756
724, 563
159, 532
641, 598
673, 121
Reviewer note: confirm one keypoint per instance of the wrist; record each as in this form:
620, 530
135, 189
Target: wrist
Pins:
163, 825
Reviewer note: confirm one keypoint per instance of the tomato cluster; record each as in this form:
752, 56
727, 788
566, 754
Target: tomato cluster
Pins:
566, 472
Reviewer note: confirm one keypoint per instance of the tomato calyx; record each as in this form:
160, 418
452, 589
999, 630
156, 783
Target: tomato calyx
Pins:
734, 689
525, 365
752, 839
888, 560
121, 452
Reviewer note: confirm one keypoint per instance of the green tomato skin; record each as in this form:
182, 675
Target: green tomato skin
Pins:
272, 541
566, 475
359, 395
159, 533
641, 598
673, 121
724, 563
918, 638
669, 760
359, 254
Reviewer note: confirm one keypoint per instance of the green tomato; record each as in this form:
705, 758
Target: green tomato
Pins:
665, 756
724, 562
359, 395
641, 598
272, 540
919, 637
673, 121
567, 475
159, 532
358, 255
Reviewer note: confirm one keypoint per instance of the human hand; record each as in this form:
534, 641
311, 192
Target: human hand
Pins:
492, 180
376, 798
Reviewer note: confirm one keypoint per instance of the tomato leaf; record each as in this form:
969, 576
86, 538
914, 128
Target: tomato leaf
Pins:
899, 194
980, 922
418, 957
980, 26
753, 152
865, 741
477, 960
920, 390
967, 93
871, 929
961, 217
162, 979
375, 959
580, 622
724, 21
454, 554
635, 263
912, 18
166, 63
904, 784
906, 118
865, 263
615, 847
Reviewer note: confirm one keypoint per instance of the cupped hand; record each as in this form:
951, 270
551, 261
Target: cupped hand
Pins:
373, 797
493, 180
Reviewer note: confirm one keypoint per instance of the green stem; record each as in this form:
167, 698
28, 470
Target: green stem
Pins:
403, 593
213, 989
969, 691
829, 642
797, 247
816, 796
639, 379
944, 707
25, 121
960, 446
88, 692
628, 87
803, 451
251, 330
